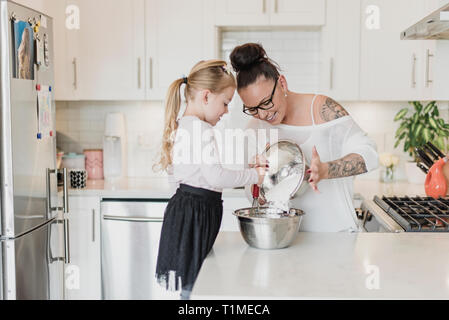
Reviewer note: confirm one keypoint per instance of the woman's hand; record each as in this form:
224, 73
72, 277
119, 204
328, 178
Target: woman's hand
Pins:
318, 170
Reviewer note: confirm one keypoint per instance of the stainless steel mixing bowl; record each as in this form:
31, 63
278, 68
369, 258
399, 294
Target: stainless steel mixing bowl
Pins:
269, 228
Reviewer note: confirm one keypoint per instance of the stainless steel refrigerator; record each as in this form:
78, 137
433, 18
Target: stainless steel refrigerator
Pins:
33, 227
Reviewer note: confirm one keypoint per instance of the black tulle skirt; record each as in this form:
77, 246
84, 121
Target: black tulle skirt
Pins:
192, 220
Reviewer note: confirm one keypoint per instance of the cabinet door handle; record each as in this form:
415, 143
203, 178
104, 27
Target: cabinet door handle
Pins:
428, 80
75, 76
275, 6
414, 71
139, 71
151, 73
264, 8
331, 74
93, 225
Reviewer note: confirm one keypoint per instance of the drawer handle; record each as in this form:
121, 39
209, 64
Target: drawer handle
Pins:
133, 219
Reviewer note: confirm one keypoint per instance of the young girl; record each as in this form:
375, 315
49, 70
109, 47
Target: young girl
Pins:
193, 215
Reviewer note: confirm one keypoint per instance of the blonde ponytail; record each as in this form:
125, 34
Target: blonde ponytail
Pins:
172, 107
213, 75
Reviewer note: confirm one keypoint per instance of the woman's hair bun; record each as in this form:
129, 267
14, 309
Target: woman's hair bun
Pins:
246, 55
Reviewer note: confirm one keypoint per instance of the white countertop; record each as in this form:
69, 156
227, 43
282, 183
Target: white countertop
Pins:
329, 266
136, 188
158, 187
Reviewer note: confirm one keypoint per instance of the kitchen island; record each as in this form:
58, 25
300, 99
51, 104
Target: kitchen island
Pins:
329, 266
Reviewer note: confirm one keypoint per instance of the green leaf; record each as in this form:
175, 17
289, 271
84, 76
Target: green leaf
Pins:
401, 114
402, 127
426, 135
418, 130
433, 123
429, 107
444, 133
407, 146
417, 105
435, 112
440, 143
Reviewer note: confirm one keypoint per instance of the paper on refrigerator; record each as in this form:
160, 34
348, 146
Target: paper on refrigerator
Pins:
44, 113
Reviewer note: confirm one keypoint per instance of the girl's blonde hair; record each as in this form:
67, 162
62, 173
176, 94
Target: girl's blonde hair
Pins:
213, 75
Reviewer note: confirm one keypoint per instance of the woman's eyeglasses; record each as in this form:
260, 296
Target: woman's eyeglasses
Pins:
264, 105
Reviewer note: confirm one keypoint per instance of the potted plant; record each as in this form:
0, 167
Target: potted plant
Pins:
423, 125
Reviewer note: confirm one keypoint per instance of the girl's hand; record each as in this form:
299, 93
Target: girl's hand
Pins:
259, 161
318, 170
261, 173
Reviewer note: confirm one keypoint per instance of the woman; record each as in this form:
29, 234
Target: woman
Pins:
334, 145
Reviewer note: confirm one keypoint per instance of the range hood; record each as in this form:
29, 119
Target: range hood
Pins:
433, 27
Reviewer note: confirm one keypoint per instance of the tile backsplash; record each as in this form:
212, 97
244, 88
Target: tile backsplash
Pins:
80, 125
298, 50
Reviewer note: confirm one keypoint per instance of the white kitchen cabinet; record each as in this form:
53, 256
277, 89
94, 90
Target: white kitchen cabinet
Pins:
440, 70
66, 50
111, 50
340, 37
99, 49
297, 12
270, 12
39, 5
83, 274
241, 13
435, 65
174, 42
391, 68
230, 204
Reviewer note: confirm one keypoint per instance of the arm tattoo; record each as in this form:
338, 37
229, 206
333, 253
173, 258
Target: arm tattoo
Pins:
350, 165
331, 110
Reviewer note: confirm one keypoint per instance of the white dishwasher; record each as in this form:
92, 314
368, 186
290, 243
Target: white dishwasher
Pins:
130, 233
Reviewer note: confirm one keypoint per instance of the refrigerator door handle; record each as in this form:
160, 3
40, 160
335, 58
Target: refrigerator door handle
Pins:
49, 207
65, 207
65, 192
66, 257
66, 241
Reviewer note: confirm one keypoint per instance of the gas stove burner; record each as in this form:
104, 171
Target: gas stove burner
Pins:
417, 214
